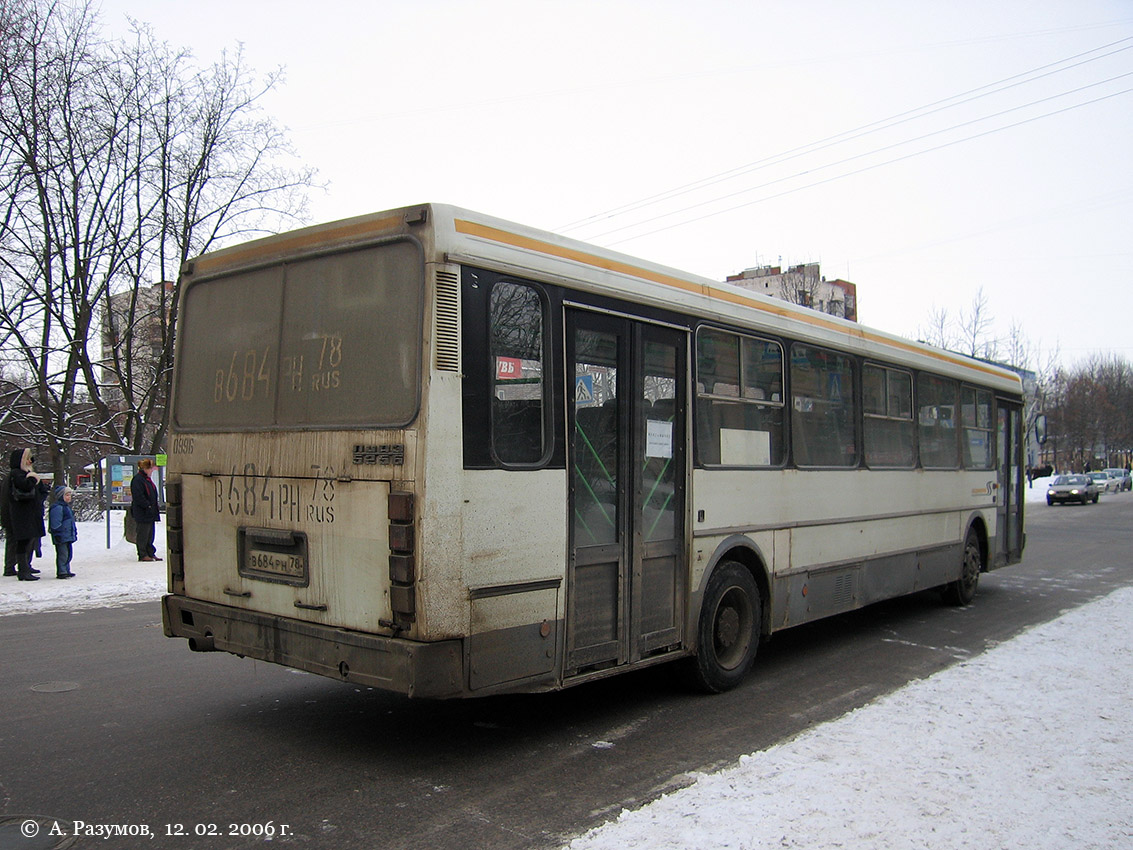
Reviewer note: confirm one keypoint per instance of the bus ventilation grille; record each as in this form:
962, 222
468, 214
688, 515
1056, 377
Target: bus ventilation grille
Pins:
844, 590
446, 345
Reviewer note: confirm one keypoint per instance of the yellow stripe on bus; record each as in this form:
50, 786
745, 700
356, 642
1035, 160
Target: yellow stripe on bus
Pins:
495, 234
294, 243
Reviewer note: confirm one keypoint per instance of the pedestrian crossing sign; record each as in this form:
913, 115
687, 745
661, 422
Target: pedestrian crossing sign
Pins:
584, 391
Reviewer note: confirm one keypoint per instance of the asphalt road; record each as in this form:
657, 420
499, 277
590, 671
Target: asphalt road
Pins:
108, 722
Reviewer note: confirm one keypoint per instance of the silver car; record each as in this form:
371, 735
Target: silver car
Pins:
1104, 482
1124, 482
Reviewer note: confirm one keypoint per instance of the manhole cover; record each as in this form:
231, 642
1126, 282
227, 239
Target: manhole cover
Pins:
31, 832
55, 687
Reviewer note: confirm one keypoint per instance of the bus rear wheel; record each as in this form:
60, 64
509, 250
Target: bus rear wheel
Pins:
728, 630
963, 590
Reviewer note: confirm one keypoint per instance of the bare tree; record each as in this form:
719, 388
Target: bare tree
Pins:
1091, 412
970, 333
975, 326
938, 329
118, 161
802, 285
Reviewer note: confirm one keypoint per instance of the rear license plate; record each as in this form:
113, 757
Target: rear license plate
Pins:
276, 556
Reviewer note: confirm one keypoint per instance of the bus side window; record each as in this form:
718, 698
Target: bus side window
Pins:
518, 390
739, 401
887, 395
824, 418
976, 419
936, 422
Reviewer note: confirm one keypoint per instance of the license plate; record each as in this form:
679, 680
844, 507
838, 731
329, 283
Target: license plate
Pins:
276, 563
277, 556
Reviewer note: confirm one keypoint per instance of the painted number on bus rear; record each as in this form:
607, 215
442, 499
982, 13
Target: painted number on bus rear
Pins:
246, 494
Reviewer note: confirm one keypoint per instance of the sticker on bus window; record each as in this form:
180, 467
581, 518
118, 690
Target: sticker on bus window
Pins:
659, 439
509, 368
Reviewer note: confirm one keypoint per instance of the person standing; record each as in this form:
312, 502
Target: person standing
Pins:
64, 531
25, 506
35, 550
144, 508
10, 560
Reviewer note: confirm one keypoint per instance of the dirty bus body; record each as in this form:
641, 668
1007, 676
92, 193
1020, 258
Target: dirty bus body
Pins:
446, 455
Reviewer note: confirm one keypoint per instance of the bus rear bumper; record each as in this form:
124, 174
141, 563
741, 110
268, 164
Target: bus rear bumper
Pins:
428, 670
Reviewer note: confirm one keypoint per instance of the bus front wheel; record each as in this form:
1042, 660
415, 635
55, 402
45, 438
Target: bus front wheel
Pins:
728, 630
963, 590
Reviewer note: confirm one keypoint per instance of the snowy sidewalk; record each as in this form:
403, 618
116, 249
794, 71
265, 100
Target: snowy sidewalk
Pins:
103, 577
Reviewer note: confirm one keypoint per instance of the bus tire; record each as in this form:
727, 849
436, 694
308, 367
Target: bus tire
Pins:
963, 590
727, 631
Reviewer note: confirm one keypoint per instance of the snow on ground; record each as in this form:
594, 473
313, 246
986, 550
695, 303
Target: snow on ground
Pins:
103, 576
1029, 745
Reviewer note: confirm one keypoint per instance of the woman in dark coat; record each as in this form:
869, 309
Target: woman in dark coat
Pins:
144, 507
25, 506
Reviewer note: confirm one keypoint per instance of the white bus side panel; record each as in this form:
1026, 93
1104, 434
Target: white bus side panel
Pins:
514, 565
827, 549
514, 526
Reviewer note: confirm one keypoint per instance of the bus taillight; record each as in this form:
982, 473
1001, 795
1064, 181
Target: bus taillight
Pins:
174, 536
402, 558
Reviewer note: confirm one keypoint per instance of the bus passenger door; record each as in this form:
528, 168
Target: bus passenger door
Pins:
1009, 506
627, 458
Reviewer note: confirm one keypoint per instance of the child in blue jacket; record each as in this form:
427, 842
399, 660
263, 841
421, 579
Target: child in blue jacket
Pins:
61, 526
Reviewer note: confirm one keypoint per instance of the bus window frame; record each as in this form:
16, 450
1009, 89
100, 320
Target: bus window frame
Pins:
956, 428
477, 420
989, 430
696, 394
546, 402
911, 418
855, 396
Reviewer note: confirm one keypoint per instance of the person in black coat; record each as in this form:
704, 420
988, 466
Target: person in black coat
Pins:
144, 508
26, 493
10, 560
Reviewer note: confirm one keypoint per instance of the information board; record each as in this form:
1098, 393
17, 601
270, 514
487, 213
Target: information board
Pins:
120, 471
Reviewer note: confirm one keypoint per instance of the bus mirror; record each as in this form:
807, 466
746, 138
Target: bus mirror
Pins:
1040, 428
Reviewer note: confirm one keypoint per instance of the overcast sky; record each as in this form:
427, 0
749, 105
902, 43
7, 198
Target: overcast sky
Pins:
922, 150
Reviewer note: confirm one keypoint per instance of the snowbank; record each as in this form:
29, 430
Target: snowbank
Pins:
1026, 746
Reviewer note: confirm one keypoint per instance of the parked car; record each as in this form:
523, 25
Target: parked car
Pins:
1072, 488
1124, 481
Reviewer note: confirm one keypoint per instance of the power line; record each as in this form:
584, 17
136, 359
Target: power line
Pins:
860, 170
858, 132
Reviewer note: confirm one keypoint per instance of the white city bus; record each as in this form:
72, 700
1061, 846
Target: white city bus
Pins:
446, 455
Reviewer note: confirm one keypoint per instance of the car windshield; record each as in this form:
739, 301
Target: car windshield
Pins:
1070, 479
1097, 476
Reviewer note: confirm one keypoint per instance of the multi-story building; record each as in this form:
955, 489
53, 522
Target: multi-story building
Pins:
134, 345
802, 284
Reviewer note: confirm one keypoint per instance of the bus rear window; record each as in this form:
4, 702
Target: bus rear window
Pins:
332, 341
